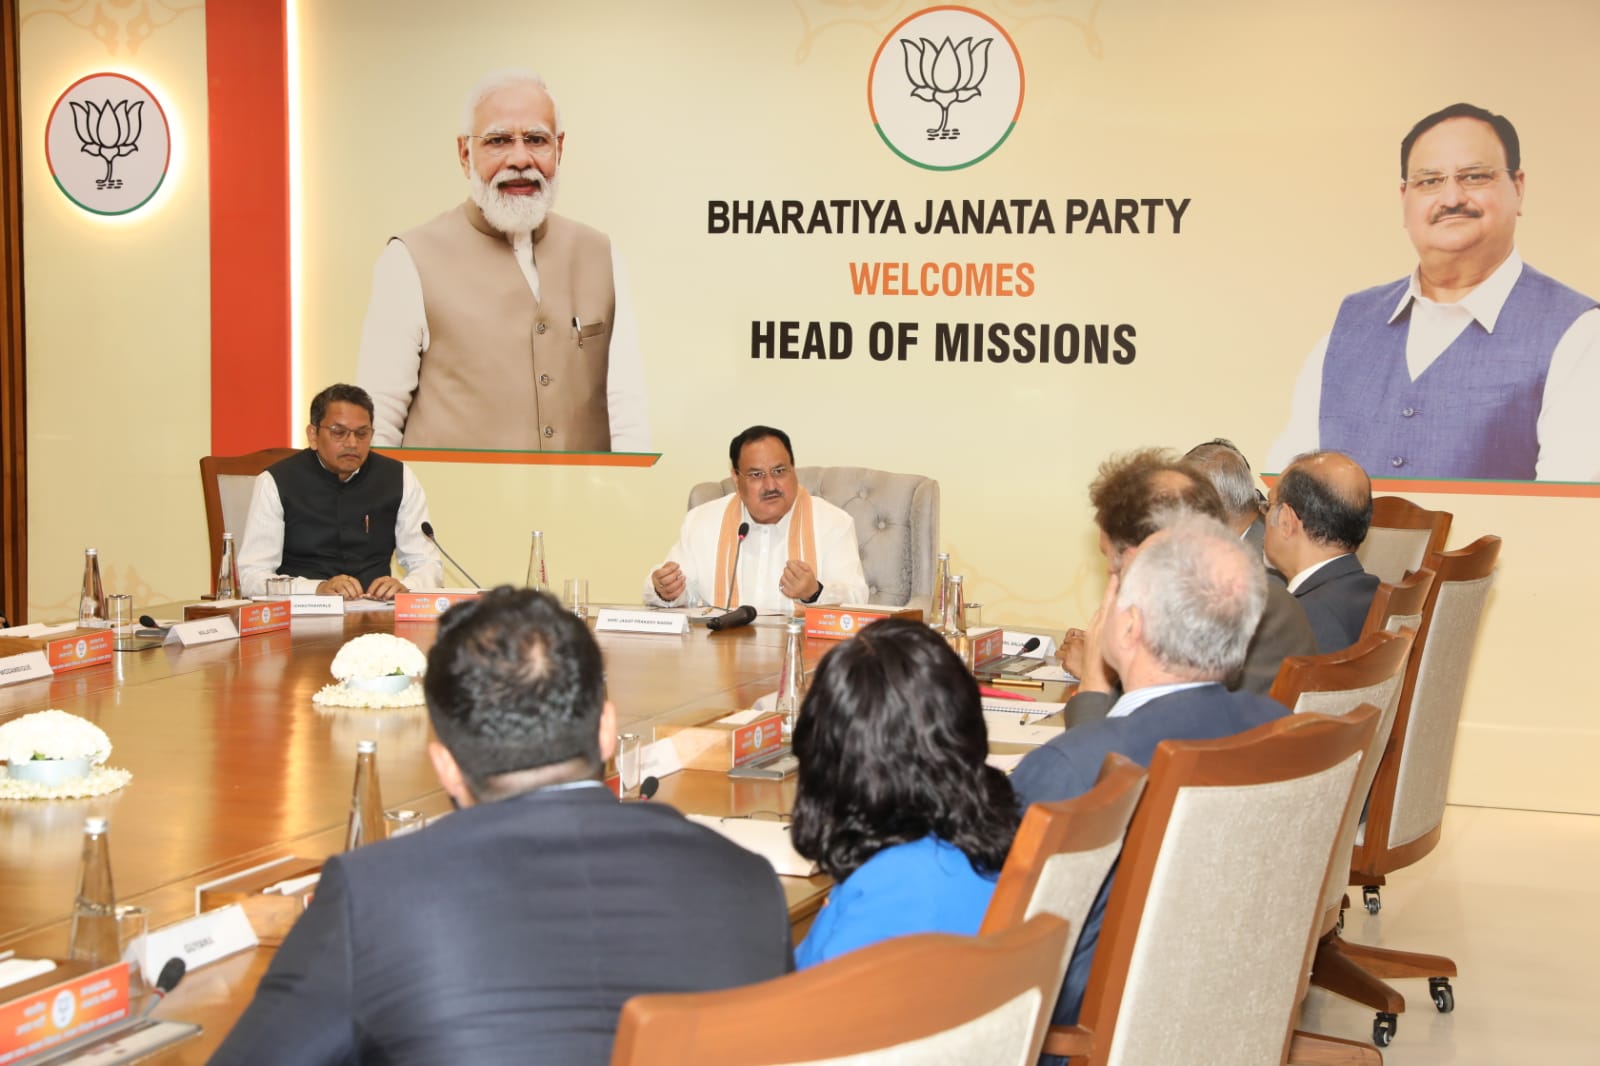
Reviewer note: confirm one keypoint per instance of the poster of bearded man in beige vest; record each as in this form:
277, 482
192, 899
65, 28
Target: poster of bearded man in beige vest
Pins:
501, 325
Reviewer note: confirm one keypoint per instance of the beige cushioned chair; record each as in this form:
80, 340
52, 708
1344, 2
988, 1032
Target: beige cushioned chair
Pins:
897, 524
1401, 536
227, 482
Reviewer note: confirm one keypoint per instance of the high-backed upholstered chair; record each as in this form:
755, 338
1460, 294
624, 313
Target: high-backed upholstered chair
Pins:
897, 524
1063, 852
931, 998
1186, 969
1401, 537
1369, 673
1399, 606
227, 482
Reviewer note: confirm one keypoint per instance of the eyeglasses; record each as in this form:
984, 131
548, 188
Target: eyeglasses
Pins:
340, 434
1429, 181
756, 477
540, 143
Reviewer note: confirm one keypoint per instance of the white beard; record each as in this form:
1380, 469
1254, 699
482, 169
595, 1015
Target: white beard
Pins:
514, 214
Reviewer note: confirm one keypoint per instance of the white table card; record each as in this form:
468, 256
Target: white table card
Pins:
25, 667
202, 939
613, 620
303, 604
203, 631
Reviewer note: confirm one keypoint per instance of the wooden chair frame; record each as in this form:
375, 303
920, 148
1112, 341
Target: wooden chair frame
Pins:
213, 467
1084, 823
887, 994
1293, 746
1397, 512
1405, 599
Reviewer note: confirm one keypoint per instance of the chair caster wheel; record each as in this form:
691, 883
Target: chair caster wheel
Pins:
1383, 1028
1370, 899
1444, 997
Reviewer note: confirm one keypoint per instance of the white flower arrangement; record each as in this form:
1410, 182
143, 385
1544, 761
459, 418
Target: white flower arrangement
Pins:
376, 655
52, 734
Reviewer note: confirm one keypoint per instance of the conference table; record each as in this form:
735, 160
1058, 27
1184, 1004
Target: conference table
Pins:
234, 765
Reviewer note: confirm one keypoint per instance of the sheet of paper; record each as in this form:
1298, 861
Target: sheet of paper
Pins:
1021, 708
1005, 761
14, 971
39, 629
362, 605
1016, 729
1052, 672
765, 837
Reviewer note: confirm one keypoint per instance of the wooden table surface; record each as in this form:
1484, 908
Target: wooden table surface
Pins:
234, 765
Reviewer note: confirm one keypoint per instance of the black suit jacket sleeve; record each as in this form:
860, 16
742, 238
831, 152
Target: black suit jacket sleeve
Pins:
302, 1009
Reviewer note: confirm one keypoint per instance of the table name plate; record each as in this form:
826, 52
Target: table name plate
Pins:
612, 620
25, 667
203, 631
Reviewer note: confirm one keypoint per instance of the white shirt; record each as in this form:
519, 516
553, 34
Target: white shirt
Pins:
1129, 702
1305, 575
1569, 432
395, 336
261, 551
762, 558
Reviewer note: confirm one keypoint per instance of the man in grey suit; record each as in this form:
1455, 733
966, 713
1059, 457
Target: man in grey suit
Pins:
1225, 466
1175, 624
513, 930
1318, 515
1134, 495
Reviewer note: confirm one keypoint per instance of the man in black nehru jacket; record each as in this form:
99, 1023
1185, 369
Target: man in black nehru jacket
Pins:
332, 516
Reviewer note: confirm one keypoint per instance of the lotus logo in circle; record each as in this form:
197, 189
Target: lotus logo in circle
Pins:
80, 650
108, 144
945, 88
441, 604
266, 615
761, 738
847, 622
62, 1008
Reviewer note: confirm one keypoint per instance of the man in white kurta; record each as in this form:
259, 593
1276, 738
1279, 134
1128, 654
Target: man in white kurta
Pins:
772, 573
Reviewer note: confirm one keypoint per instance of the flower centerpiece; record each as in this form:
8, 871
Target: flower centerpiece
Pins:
376, 670
52, 747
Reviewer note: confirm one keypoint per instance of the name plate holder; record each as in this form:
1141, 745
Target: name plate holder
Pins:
203, 631
301, 604
73, 649
428, 606
200, 940
250, 616
29, 666
614, 620
66, 1004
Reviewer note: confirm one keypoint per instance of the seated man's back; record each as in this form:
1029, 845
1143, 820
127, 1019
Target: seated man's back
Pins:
513, 932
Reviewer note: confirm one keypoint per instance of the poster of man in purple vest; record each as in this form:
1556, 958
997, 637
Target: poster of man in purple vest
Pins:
1476, 366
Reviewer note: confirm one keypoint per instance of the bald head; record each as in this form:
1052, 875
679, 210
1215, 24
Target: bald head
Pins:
1332, 496
1199, 596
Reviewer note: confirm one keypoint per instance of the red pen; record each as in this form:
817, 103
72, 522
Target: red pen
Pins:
996, 694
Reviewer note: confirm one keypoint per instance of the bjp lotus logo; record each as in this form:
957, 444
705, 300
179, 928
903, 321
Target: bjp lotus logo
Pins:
108, 131
948, 74
108, 144
949, 56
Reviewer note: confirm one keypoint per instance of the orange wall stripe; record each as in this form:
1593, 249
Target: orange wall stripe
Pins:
248, 98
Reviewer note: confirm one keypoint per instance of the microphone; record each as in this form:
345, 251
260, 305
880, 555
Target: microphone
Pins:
733, 575
166, 981
648, 787
427, 531
152, 628
1033, 642
741, 616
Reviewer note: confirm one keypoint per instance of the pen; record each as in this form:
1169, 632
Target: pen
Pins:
1018, 682
577, 329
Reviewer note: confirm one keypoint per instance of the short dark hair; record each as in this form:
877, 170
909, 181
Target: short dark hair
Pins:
514, 682
1501, 125
340, 393
1327, 516
753, 434
892, 742
1129, 495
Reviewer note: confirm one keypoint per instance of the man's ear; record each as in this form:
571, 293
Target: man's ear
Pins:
464, 153
1288, 520
311, 437
448, 771
608, 730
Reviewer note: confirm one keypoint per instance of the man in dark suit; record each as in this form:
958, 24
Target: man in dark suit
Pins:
1176, 622
1318, 515
513, 930
1134, 495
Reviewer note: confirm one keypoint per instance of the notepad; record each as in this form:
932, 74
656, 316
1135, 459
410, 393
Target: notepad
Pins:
1017, 729
1027, 708
768, 839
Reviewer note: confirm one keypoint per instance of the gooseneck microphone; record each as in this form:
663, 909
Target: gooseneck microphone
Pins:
733, 574
166, 981
741, 616
427, 531
1033, 642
